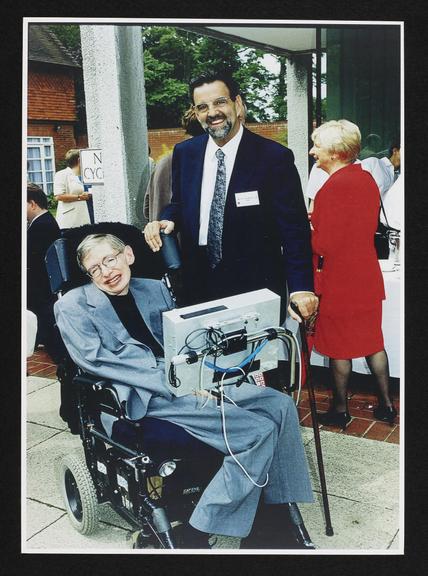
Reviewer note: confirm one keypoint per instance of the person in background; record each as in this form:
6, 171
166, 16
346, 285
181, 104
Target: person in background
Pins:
159, 190
393, 204
238, 205
69, 192
42, 231
392, 162
347, 276
372, 146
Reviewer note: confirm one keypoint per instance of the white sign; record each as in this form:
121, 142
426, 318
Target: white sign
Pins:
91, 166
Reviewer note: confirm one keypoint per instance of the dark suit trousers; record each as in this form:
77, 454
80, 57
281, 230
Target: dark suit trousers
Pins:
203, 283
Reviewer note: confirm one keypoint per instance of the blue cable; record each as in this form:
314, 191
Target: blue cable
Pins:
241, 365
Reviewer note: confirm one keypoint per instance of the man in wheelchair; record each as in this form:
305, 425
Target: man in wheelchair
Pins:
112, 328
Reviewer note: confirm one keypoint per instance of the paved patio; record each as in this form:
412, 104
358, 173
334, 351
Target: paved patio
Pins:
362, 476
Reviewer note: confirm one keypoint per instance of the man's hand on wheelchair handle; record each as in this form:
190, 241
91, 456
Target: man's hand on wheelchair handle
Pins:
306, 302
151, 232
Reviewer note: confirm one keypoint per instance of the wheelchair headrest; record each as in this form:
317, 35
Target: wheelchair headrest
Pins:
61, 263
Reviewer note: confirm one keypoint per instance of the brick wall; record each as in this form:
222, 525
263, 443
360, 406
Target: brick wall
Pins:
162, 141
63, 139
51, 94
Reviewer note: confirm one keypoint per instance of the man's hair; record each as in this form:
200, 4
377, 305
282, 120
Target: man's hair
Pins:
191, 124
211, 76
72, 157
36, 194
340, 137
374, 142
89, 242
395, 143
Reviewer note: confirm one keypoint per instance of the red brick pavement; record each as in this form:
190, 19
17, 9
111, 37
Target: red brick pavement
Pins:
361, 404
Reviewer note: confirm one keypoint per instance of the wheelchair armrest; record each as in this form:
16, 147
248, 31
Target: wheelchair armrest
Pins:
108, 398
90, 380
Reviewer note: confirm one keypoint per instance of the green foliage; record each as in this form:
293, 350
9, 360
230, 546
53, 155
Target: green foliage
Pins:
69, 36
173, 56
52, 204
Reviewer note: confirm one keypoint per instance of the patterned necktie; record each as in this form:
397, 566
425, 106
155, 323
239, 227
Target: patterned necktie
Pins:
215, 224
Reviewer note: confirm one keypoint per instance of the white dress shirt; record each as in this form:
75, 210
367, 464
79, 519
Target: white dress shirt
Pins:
393, 204
230, 150
390, 168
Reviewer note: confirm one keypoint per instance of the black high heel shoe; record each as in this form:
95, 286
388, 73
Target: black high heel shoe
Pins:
333, 418
385, 413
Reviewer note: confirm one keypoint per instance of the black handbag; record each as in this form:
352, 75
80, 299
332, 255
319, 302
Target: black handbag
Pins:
381, 238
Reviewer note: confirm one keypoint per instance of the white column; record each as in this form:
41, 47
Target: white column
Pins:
297, 114
113, 75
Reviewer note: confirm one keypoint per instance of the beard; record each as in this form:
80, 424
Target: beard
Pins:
219, 133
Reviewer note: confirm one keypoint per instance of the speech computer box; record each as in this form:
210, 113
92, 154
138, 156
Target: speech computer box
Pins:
252, 311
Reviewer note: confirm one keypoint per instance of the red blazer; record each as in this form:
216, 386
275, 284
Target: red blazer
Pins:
345, 219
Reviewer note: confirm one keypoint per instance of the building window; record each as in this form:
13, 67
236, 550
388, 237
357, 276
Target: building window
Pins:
41, 162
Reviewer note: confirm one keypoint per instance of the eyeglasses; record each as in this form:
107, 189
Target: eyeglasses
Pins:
218, 103
108, 262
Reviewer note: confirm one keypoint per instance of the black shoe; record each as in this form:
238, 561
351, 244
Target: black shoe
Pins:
333, 418
385, 413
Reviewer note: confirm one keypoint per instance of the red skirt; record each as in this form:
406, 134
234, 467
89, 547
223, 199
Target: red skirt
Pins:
349, 336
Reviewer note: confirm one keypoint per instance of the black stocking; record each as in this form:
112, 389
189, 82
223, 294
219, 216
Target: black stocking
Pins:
341, 370
378, 364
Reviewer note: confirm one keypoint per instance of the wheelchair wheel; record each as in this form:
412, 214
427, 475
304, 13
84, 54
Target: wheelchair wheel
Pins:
79, 494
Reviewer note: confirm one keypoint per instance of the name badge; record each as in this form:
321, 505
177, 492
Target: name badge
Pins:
247, 198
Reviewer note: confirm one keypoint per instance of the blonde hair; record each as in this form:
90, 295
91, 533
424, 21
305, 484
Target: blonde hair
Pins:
72, 157
340, 137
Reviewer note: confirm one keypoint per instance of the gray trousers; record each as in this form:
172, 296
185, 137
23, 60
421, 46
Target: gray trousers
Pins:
264, 435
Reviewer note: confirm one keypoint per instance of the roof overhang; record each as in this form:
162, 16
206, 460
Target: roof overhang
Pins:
284, 39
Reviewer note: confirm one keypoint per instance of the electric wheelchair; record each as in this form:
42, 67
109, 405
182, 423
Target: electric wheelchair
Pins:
152, 472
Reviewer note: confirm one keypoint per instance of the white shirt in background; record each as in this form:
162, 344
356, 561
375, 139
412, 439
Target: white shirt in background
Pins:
393, 204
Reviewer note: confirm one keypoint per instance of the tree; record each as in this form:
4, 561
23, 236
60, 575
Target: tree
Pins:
172, 56
279, 103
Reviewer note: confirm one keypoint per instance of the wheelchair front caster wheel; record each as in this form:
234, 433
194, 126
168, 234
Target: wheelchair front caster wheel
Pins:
79, 494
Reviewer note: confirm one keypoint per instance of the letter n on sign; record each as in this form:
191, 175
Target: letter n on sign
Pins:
91, 166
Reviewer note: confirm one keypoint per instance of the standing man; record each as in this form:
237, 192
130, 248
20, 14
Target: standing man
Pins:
73, 200
238, 205
41, 232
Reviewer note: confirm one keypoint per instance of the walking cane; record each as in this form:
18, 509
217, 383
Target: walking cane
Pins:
312, 402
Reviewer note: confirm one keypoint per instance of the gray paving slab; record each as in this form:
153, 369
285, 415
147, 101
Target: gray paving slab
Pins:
41, 478
40, 516
307, 435
395, 543
356, 525
362, 480
37, 433
35, 383
43, 407
61, 536
109, 516
359, 469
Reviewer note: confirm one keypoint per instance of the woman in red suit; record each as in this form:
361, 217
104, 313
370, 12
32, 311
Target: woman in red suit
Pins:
347, 275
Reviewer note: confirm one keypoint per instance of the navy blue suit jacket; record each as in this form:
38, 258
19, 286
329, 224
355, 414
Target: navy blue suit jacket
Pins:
40, 235
264, 246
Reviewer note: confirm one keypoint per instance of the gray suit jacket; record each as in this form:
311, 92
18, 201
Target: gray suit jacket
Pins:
98, 342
